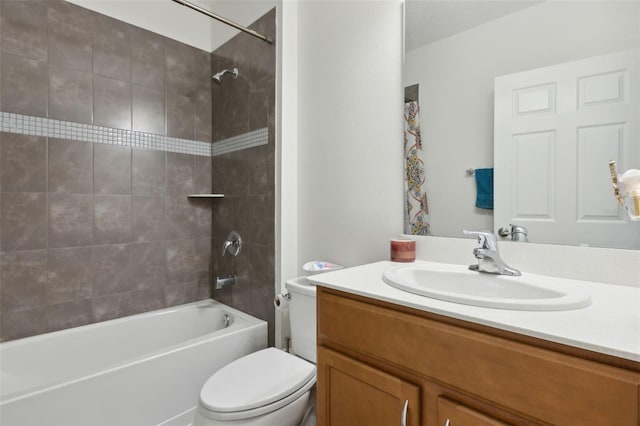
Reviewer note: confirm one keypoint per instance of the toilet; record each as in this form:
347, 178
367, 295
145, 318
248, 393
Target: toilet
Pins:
268, 387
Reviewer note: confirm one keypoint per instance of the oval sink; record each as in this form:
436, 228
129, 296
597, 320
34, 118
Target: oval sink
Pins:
455, 283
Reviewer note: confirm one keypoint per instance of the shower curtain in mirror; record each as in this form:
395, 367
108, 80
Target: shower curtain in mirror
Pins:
416, 210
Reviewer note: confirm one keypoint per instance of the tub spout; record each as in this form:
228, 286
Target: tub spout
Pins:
225, 281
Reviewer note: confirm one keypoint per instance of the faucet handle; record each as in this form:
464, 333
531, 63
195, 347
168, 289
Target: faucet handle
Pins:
232, 244
486, 239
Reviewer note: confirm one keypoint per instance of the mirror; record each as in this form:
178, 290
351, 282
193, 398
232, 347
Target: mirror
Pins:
454, 50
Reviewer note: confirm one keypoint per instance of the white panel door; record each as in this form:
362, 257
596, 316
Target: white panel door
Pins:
556, 129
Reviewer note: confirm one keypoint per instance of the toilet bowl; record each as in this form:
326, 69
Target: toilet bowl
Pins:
268, 387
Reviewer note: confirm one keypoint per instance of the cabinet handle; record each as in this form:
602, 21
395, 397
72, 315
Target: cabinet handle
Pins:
447, 423
403, 419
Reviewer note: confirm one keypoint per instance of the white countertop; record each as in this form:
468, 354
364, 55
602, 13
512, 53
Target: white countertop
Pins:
610, 325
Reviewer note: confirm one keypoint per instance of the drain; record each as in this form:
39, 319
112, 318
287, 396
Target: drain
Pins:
226, 320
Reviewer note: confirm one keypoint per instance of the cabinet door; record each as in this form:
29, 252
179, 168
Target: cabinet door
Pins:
542, 384
353, 393
451, 413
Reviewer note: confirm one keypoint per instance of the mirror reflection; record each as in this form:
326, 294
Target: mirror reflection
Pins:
518, 107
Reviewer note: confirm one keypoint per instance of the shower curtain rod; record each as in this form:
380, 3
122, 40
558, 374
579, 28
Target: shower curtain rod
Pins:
224, 20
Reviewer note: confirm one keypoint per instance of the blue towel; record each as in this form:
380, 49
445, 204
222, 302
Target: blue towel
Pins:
484, 188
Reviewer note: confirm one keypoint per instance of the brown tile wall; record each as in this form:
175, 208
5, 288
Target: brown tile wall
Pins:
90, 232
65, 62
247, 177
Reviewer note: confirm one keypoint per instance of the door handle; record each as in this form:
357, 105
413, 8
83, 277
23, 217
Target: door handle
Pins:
403, 419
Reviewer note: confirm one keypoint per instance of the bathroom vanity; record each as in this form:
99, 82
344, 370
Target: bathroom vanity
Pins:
388, 357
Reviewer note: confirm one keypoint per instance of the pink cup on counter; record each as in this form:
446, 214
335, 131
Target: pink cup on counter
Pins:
403, 250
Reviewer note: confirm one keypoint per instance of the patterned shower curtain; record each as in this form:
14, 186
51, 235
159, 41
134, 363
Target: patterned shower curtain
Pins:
416, 210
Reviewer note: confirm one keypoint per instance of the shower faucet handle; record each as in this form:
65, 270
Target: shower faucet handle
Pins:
233, 244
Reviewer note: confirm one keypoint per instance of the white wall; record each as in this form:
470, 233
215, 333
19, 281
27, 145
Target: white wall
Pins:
456, 77
349, 130
180, 23
243, 12
286, 233
162, 17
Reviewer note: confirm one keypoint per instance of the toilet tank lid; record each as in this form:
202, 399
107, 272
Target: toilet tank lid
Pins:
255, 380
301, 285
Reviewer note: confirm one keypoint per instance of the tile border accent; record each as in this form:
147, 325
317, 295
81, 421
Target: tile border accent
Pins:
47, 127
40, 126
236, 143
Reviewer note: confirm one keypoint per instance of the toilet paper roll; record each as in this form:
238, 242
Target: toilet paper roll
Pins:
281, 301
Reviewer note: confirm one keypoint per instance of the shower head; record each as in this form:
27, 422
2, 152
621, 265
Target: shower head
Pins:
217, 78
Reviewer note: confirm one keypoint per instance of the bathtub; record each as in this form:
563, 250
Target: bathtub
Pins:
145, 369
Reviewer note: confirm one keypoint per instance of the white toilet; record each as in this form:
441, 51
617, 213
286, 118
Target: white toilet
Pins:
269, 387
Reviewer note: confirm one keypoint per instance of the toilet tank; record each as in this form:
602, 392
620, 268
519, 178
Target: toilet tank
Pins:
302, 317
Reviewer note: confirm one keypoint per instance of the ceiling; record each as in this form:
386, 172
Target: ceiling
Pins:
181, 23
427, 21
243, 12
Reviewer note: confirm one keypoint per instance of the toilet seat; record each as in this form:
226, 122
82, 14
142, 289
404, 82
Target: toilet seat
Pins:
276, 379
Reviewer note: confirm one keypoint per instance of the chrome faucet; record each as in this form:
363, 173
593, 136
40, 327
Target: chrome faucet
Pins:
517, 232
488, 256
233, 244
225, 281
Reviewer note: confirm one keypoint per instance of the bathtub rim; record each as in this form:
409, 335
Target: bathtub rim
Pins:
246, 322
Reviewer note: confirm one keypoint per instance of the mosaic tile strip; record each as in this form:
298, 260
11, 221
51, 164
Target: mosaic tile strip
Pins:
39, 126
244, 141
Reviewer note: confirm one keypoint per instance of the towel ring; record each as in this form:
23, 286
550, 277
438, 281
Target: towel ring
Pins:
469, 172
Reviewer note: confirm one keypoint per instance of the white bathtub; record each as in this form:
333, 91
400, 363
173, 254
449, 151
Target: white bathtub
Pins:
145, 369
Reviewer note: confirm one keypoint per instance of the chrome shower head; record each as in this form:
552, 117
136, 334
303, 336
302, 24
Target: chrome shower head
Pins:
217, 78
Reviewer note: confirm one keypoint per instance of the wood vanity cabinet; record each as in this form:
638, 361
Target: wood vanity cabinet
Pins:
362, 395
373, 356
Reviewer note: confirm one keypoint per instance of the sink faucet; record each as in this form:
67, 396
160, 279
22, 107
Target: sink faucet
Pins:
488, 256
